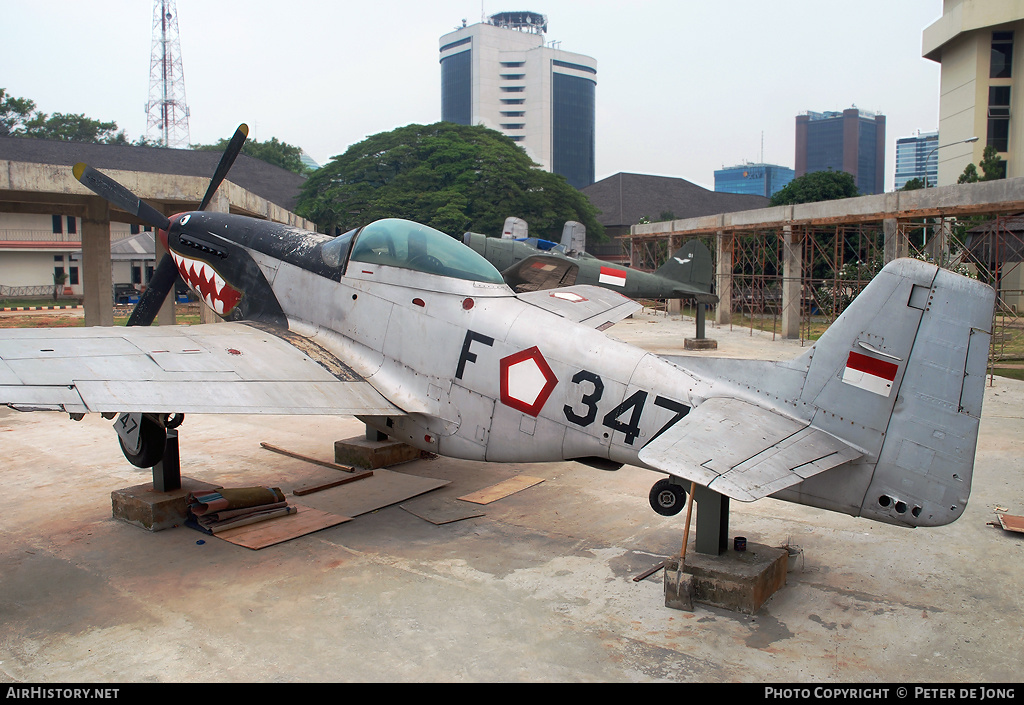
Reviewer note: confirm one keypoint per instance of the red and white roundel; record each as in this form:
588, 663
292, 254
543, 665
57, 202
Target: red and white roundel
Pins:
526, 381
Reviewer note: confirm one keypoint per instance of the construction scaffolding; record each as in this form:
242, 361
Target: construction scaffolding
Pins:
833, 253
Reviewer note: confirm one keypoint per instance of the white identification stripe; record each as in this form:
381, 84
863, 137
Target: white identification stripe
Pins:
612, 279
869, 382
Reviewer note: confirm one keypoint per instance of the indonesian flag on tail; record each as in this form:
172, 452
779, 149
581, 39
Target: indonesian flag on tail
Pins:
870, 373
615, 277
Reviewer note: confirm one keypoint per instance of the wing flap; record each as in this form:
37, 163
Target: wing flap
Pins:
215, 368
587, 304
744, 451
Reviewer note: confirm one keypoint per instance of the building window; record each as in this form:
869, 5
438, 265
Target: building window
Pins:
72, 225
577, 67
1002, 55
573, 120
513, 101
512, 64
73, 276
999, 118
457, 88
513, 113
133, 229
136, 274
58, 225
512, 89
513, 76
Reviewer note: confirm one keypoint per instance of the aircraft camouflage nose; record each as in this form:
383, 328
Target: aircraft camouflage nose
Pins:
203, 279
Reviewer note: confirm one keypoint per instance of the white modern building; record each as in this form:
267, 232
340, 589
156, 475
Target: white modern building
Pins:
501, 73
981, 91
917, 158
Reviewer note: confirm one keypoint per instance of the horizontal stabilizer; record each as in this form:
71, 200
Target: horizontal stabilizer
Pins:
590, 305
744, 451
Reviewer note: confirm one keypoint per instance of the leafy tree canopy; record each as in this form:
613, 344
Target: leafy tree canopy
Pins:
19, 118
272, 151
992, 168
913, 184
816, 186
451, 177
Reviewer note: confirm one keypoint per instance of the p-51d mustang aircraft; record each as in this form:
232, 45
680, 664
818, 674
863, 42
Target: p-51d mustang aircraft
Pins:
418, 336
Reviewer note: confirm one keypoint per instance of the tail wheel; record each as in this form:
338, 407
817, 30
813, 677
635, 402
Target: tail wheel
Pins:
152, 439
667, 498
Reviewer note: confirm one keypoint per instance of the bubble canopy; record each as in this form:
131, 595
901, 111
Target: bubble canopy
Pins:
402, 243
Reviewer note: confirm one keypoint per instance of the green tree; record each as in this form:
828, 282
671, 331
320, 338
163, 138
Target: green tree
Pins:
914, 184
13, 114
451, 177
992, 168
816, 186
272, 151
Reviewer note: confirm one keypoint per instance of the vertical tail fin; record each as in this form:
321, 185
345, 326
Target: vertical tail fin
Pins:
690, 264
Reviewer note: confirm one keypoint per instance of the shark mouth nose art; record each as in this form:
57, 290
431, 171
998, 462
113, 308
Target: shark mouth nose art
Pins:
203, 279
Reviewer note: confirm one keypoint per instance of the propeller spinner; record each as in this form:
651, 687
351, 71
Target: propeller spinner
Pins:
166, 272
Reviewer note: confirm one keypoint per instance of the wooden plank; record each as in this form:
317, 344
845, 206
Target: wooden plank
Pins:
440, 510
273, 531
310, 489
290, 454
502, 489
1011, 522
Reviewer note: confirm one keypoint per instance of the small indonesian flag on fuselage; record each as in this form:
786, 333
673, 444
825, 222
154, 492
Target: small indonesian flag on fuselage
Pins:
870, 373
615, 277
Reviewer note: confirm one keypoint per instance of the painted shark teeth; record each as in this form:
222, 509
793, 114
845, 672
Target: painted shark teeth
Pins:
203, 279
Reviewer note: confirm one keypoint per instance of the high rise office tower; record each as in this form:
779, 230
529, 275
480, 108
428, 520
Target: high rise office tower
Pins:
502, 74
917, 158
852, 141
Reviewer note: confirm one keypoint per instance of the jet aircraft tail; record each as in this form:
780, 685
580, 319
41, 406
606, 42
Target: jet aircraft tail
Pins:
879, 418
690, 264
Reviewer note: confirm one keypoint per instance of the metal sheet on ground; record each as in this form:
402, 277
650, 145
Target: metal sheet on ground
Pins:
440, 510
1011, 522
385, 488
273, 531
502, 489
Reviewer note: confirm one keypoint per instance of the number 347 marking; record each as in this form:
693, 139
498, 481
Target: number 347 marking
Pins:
632, 406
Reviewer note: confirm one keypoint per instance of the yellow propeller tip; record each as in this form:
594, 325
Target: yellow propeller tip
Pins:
78, 169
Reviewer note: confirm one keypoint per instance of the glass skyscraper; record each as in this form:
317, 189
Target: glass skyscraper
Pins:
852, 141
502, 74
912, 153
753, 179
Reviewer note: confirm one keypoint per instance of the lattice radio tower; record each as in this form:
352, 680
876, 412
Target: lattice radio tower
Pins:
167, 113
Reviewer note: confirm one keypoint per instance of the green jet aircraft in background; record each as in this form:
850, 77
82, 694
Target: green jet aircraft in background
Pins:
532, 264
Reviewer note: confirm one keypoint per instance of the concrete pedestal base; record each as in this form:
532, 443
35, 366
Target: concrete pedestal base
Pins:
364, 453
700, 344
143, 506
741, 581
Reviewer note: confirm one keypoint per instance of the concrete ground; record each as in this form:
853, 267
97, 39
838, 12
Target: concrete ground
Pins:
540, 588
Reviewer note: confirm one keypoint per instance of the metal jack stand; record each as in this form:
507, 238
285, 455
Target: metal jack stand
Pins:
167, 471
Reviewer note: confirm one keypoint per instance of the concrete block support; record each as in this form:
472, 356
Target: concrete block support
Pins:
741, 581
97, 271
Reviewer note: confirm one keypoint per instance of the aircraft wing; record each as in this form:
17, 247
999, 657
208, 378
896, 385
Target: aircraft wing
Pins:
590, 305
744, 451
540, 272
226, 368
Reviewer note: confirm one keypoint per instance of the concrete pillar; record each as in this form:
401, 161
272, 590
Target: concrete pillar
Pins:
723, 277
792, 281
97, 275
895, 241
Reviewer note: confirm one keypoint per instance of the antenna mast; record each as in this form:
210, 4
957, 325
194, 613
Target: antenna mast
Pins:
167, 113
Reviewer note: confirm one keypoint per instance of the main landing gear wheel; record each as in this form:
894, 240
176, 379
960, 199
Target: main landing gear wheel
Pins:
667, 498
151, 443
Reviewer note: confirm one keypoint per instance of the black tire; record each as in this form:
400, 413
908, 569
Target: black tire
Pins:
667, 498
152, 440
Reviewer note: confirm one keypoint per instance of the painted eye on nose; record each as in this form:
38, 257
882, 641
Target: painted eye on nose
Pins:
184, 219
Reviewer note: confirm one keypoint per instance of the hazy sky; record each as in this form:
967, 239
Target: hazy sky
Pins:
684, 87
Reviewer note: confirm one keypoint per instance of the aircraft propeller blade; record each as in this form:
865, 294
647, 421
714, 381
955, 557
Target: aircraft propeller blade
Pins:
160, 284
226, 160
103, 185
